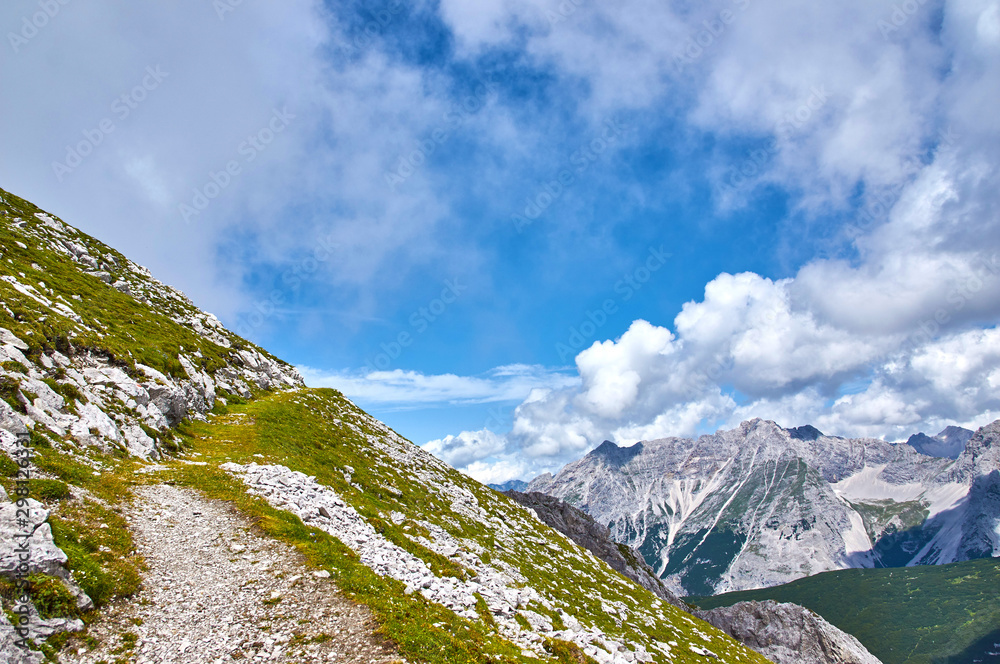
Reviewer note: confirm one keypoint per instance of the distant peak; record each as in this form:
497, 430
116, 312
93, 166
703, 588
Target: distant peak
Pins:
607, 447
613, 454
948, 444
758, 423
806, 432
956, 434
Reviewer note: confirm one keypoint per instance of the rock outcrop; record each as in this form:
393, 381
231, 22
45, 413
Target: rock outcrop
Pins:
582, 529
788, 634
10, 651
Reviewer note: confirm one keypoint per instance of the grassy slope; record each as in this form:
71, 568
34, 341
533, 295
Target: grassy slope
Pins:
311, 431
913, 615
114, 323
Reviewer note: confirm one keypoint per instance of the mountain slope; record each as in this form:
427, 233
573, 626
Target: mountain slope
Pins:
114, 381
942, 614
784, 633
582, 529
93, 347
761, 505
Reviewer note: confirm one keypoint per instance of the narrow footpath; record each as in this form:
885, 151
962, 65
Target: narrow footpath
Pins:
216, 591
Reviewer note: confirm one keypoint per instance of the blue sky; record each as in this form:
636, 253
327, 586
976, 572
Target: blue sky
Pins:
514, 228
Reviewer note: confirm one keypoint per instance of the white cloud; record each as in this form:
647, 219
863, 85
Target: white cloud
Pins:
500, 471
467, 447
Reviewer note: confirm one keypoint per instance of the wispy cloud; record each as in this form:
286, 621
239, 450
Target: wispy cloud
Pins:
507, 383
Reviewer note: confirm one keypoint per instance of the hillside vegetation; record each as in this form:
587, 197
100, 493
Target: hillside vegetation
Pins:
940, 614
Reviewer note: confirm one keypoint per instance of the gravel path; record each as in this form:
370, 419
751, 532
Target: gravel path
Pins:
215, 592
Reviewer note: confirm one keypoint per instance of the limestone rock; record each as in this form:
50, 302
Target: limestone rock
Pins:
788, 634
8, 338
45, 556
11, 426
11, 653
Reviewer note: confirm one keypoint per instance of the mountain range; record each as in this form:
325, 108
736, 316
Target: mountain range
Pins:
762, 505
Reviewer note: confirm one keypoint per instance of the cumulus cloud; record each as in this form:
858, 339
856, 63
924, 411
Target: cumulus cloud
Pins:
467, 447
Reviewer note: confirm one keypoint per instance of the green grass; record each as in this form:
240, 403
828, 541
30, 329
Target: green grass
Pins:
877, 515
8, 467
320, 433
48, 491
125, 329
940, 614
51, 597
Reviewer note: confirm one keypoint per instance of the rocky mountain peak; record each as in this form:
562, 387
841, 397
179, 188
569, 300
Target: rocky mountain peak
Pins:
807, 432
983, 449
949, 443
615, 455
